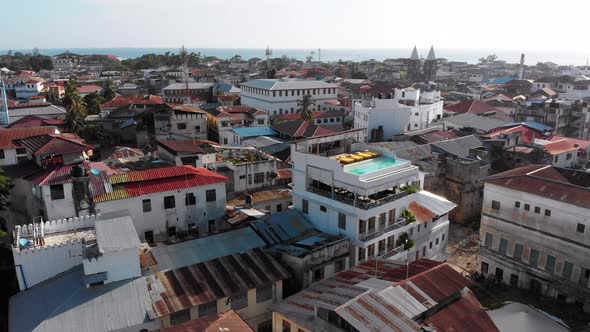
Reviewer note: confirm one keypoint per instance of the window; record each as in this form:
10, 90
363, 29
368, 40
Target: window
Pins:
318, 274
149, 236
323, 208
488, 240
534, 257
211, 195
527, 207
20, 151
371, 250
371, 224
581, 228
198, 129
56, 191
209, 308
537, 209
259, 177
263, 293
568, 156
169, 202
550, 264
265, 326
225, 140
567, 270
305, 206
362, 226
260, 121
341, 220
286, 326
513, 280
21, 159
279, 207
499, 274
180, 317
503, 247
484, 267
442, 237
436, 243
190, 199
430, 245
361, 254
171, 231
1, 154
496, 205
181, 126
418, 230
517, 254
339, 265
556, 158
391, 216
517, 204
239, 301
547, 213
147, 205
390, 242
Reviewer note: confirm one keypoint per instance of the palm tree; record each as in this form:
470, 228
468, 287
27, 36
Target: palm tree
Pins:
404, 240
408, 216
109, 91
75, 106
306, 105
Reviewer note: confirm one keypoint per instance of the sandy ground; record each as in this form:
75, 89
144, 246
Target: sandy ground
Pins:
463, 249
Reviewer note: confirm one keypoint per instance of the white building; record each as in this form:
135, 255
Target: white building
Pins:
11, 153
533, 232
177, 92
579, 89
278, 97
222, 120
407, 110
364, 200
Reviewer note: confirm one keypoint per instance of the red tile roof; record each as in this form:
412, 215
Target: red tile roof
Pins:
35, 121
138, 183
8, 135
301, 128
186, 108
228, 321
471, 106
559, 147
228, 98
582, 143
121, 101
544, 181
89, 88
528, 134
54, 144
190, 146
316, 115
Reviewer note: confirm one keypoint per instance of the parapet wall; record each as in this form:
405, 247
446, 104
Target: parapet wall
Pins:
59, 225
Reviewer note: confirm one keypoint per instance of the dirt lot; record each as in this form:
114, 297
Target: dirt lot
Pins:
463, 248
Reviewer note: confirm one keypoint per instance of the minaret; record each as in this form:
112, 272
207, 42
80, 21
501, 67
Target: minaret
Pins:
521, 67
430, 66
414, 66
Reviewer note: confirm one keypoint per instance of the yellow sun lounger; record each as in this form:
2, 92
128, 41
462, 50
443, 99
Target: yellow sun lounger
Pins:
364, 154
355, 157
346, 160
373, 154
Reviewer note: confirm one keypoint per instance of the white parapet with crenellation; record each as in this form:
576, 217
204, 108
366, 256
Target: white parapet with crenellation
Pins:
53, 247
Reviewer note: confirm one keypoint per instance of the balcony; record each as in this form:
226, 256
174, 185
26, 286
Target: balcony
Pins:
375, 234
361, 202
393, 252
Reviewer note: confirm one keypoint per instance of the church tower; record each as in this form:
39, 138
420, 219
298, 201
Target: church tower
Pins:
414, 66
430, 66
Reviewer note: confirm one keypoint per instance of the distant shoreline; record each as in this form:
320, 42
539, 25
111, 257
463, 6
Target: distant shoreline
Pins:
332, 55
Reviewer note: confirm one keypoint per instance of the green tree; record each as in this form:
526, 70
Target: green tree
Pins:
274, 119
109, 91
5, 185
408, 216
404, 240
91, 133
74, 105
93, 103
306, 105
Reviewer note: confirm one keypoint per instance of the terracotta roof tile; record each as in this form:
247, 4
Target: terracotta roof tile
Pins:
121, 101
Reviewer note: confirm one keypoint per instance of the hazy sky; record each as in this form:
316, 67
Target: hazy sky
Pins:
510, 24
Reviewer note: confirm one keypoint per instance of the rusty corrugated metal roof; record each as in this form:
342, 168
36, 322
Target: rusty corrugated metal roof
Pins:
420, 212
228, 321
187, 287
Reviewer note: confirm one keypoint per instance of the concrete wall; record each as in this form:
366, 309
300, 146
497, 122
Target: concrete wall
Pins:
159, 218
277, 323
119, 265
554, 235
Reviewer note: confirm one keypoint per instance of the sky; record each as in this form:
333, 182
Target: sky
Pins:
506, 24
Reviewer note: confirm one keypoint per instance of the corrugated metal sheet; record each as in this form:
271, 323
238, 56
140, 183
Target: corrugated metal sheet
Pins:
280, 227
139, 183
420, 212
8, 135
202, 249
228, 321
466, 314
215, 279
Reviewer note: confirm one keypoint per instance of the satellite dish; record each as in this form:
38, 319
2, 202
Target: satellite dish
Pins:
94, 171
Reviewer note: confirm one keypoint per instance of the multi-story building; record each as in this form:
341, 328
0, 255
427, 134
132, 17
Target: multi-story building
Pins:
278, 97
533, 232
11, 153
66, 61
177, 92
361, 192
406, 110
180, 122
222, 120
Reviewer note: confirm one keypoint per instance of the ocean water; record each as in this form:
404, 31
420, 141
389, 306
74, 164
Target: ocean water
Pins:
328, 55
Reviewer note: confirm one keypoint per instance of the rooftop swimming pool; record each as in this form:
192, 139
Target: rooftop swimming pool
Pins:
371, 165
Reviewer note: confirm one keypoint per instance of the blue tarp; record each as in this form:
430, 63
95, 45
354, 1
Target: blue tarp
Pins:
255, 131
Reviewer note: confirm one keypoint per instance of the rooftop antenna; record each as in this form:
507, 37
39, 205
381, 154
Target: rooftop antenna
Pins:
4, 116
184, 60
268, 55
